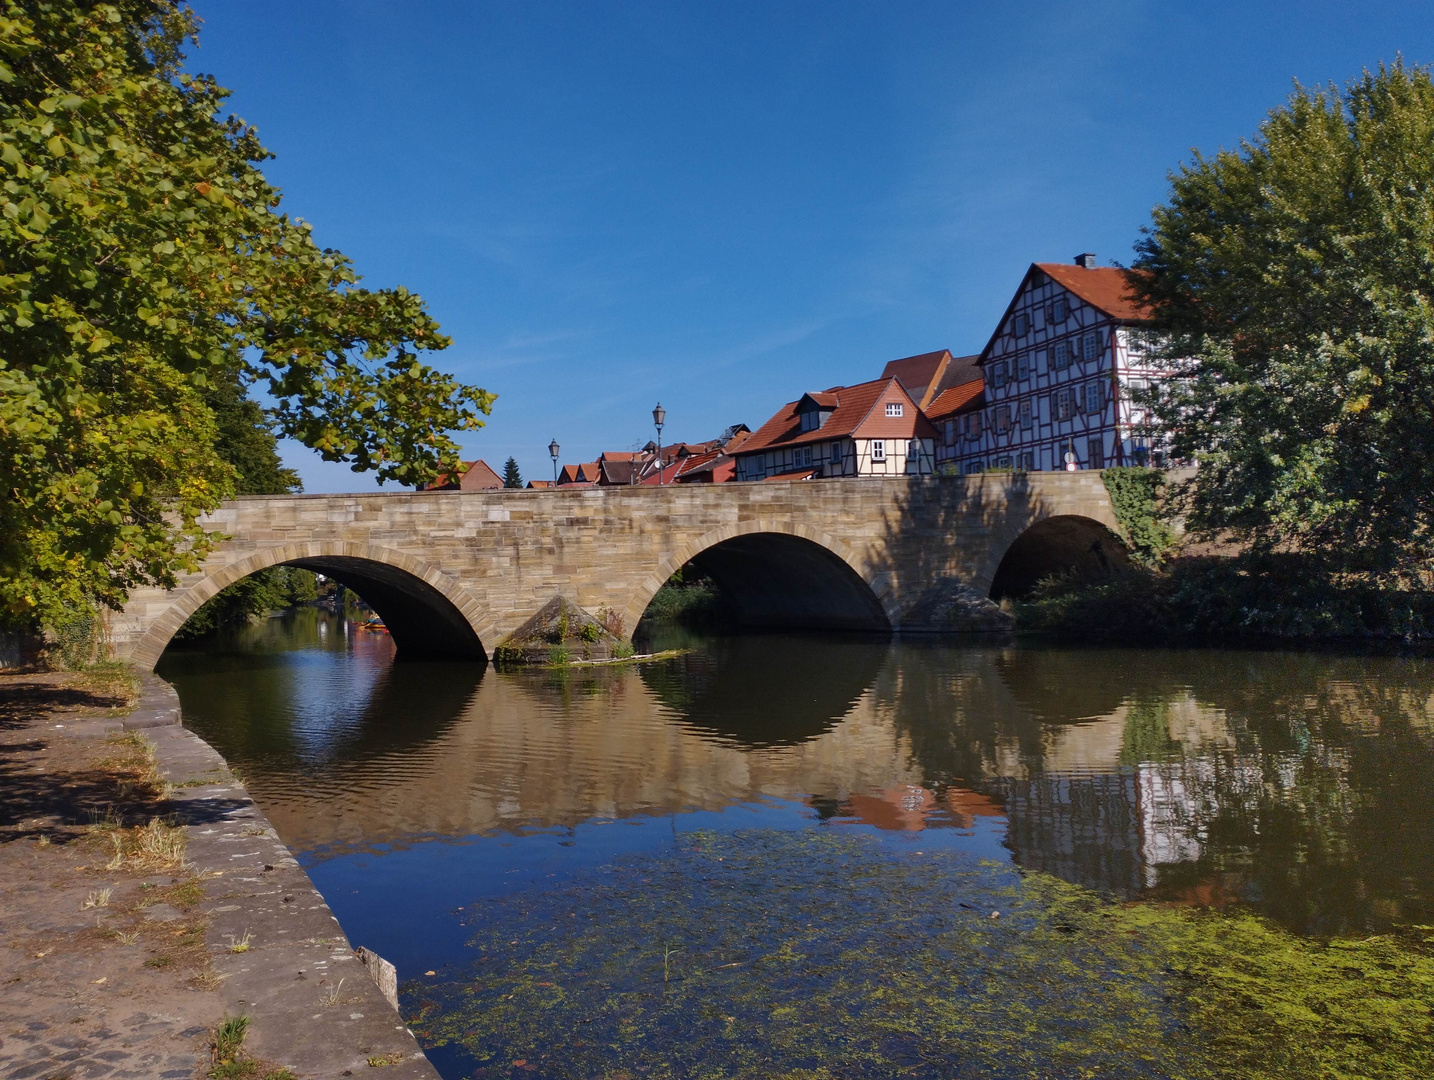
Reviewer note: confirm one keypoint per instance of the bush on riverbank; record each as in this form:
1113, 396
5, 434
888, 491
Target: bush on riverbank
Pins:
695, 603
1284, 596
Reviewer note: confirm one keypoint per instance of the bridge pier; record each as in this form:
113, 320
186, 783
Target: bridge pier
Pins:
453, 572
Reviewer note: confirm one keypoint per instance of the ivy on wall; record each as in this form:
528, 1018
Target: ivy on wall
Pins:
1135, 498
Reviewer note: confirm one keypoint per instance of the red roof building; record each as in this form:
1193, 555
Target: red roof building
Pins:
476, 476
871, 429
1060, 373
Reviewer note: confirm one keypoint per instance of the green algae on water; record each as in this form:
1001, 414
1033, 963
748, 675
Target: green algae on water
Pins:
824, 954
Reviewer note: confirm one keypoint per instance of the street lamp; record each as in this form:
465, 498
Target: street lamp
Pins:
659, 416
554, 449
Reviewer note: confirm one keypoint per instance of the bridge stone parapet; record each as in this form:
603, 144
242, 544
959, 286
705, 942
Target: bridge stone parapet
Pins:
453, 572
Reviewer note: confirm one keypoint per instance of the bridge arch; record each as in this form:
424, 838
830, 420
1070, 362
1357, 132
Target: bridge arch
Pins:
779, 574
429, 613
1052, 544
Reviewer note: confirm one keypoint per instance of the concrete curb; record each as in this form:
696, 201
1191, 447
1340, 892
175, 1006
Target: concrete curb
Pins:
311, 1003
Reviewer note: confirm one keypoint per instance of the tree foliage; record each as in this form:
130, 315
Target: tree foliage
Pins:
1296, 274
144, 269
512, 478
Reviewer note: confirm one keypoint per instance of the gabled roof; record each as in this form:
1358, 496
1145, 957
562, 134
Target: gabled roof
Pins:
568, 474
474, 476
825, 399
1105, 288
617, 473
853, 414
538, 485
959, 399
959, 371
919, 374
589, 472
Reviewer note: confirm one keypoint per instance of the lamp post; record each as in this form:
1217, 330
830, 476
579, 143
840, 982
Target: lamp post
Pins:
554, 449
659, 417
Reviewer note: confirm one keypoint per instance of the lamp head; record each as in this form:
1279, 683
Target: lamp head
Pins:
553, 449
659, 415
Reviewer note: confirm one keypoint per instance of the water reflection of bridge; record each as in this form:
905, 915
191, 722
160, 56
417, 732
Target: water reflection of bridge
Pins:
1173, 773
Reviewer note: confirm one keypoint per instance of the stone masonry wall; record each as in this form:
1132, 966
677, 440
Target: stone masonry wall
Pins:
500, 555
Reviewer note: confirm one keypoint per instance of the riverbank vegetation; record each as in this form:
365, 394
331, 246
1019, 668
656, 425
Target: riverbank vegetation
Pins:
672, 965
691, 601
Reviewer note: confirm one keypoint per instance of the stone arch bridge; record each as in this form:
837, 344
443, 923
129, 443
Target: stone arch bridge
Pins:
452, 573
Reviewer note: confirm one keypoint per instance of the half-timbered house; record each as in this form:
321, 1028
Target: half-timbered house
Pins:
1059, 373
871, 429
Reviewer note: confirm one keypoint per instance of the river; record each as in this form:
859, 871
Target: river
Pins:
736, 862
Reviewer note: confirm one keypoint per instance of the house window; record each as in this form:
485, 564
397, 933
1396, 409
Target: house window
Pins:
1061, 356
1021, 324
1059, 310
804, 456
1092, 397
973, 425
948, 432
809, 420
1026, 412
1003, 421
972, 467
893, 408
998, 374
878, 449
1094, 454
1061, 404
1026, 460
836, 453
1090, 346
913, 449
1023, 366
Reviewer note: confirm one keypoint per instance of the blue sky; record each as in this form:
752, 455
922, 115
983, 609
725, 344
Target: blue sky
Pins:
720, 205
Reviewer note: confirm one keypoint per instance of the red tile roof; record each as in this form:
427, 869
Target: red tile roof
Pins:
474, 476
539, 484
959, 370
568, 474
853, 414
797, 474
1104, 287
919, 374
959, 399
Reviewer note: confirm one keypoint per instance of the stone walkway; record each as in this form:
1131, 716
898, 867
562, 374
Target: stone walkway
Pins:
117, 972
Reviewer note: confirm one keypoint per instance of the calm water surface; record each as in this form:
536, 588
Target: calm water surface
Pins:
602, 838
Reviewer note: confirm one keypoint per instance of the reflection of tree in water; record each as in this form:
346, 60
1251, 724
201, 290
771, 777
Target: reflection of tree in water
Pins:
766, 691
1313, 807
258, 700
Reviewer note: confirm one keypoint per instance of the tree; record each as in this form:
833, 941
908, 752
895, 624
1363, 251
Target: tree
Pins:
143, 263
512, 478
1295, 275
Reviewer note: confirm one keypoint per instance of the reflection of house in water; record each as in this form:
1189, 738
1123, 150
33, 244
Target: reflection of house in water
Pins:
909, 808
1098, 815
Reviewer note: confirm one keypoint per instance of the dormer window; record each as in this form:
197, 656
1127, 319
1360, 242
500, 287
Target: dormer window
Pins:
812, 414
893, 408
